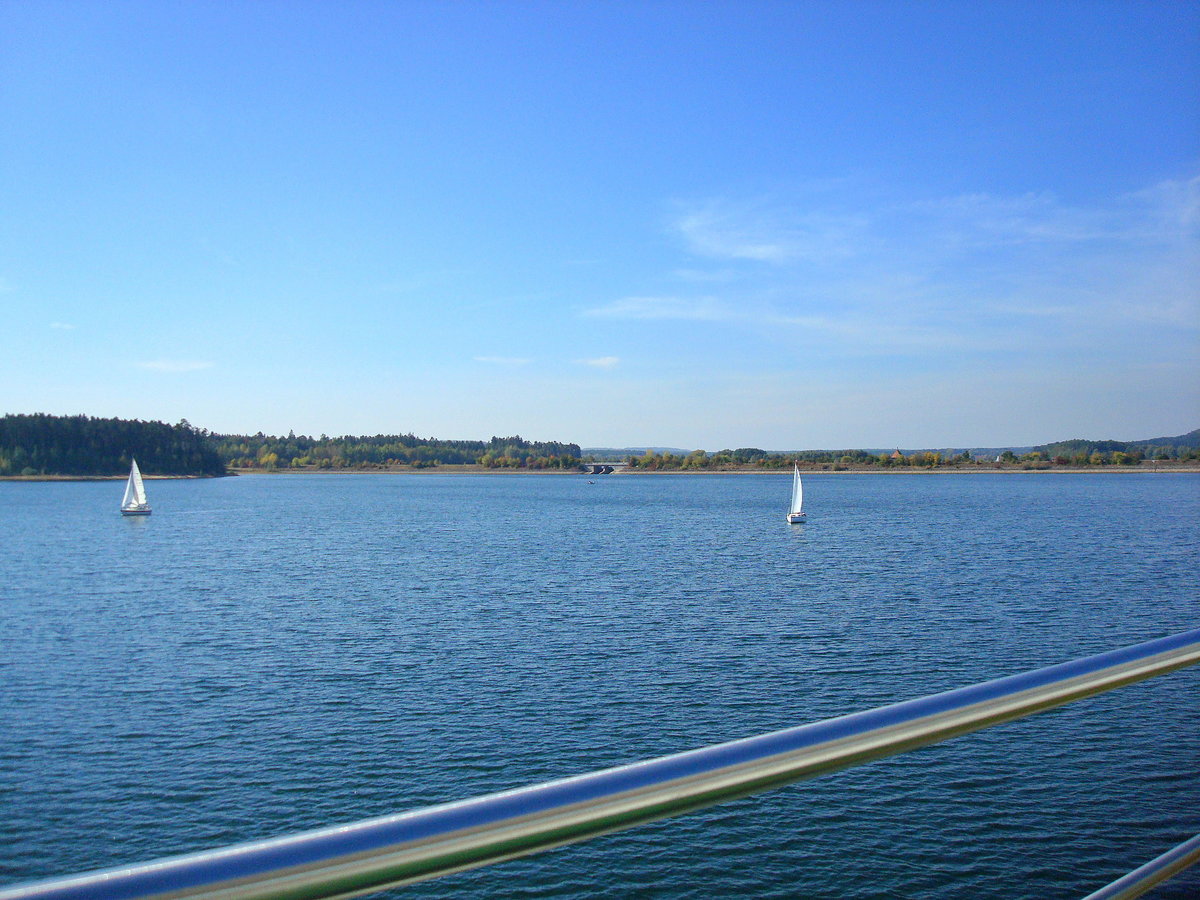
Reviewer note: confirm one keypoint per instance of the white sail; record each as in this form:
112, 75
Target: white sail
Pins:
135, 492
797, 507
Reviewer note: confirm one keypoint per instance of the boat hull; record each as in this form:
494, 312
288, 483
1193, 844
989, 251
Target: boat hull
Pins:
136, 512
795, 518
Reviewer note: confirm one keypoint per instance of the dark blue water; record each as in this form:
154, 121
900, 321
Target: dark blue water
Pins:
270, 654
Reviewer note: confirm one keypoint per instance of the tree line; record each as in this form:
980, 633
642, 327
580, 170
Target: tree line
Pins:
387, 450
1074, 454
40, 444
749, 457
1083, 452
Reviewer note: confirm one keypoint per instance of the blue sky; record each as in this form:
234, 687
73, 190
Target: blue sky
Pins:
694, 224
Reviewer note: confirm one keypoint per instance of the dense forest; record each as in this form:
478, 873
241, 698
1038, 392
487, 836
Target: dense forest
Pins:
40, 444
385, 450
1184, 446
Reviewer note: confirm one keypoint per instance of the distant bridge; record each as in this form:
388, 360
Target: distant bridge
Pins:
606, 468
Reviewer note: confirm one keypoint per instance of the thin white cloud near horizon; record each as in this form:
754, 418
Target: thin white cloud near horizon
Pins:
600, 362
697, 308
174, 366
504, 360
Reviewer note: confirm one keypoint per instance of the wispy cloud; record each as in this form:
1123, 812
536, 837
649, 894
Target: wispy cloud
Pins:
1164, 212
174, 365
805, 229
504, 360
768, 232
62, 326
601, 362
705, 276
1176, 202
706, 308
866, 269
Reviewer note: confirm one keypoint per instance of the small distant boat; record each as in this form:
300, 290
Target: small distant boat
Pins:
796, 512
135, 503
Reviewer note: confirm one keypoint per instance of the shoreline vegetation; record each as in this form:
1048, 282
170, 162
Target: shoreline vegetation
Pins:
1146, 467
982, 468
42, 447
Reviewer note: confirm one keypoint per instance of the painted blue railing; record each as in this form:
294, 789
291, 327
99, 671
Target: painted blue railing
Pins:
393, 850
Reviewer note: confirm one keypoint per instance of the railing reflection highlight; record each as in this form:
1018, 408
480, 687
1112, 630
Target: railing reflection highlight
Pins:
351, 859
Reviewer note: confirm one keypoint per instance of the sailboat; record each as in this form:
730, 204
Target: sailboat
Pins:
796, 511
135, 503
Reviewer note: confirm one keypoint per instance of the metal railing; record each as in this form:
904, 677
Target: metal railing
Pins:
1154, 872
351, 859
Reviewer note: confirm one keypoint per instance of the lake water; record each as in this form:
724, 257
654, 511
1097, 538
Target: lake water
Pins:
269, 654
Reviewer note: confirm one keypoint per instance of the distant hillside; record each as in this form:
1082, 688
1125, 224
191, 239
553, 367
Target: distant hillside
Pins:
1191, 439
1168, 447
1148, 447
1075, 453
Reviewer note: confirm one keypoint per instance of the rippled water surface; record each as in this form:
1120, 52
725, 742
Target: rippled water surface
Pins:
275, 653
